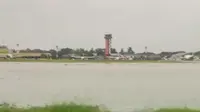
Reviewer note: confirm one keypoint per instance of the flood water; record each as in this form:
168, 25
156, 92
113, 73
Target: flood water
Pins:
121, 87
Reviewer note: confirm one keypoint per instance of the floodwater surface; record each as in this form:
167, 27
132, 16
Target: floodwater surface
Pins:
120, 87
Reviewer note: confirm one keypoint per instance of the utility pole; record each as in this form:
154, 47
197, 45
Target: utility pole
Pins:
145, 49
57, 52
17, 48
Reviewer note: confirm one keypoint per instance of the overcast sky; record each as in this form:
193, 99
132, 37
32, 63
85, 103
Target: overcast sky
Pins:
162, 25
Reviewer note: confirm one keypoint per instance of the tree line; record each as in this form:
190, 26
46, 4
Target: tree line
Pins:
78, 51
90, 52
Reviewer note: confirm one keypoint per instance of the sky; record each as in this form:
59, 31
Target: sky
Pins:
161, 25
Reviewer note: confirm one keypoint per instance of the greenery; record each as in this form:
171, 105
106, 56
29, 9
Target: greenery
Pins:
78, 51
177, 110
72, 107
91, 52
97, 54
3, 51
69, 53
52, 108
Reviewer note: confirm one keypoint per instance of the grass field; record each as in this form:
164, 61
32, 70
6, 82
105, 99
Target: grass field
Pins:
77, 108
52, 108
3, 50
177, 110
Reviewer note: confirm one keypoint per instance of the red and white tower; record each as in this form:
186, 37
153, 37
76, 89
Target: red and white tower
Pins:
108, 38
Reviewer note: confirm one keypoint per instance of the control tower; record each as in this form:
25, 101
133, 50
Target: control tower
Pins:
108, 38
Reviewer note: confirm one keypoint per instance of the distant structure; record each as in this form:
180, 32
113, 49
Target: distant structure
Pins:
145, 49
108, 38
57, 50
17, 50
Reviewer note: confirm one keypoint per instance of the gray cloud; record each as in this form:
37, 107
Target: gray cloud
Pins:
158, 24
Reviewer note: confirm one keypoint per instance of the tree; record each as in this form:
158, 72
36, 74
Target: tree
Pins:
90, 52
113, 50
130, 50
64, 51
79, 51
99, 51
53, 53
122, 51
164, 54
197, 53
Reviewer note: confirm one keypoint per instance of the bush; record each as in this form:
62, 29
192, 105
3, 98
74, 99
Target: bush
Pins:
51, 108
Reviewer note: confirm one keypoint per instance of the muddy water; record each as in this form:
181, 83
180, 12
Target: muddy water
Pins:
121, 87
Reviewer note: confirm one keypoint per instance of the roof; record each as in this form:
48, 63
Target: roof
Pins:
177, 56
114, 54
128, 54
27, 54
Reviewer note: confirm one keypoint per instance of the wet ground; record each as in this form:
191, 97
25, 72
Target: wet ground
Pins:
121, 87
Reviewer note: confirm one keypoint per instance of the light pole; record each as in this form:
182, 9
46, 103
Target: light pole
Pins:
145, 49
57, 52
17, 48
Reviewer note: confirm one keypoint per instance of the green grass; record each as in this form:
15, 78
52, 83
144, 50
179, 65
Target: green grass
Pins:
3, 50
177, 110
72, 107
52, 108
